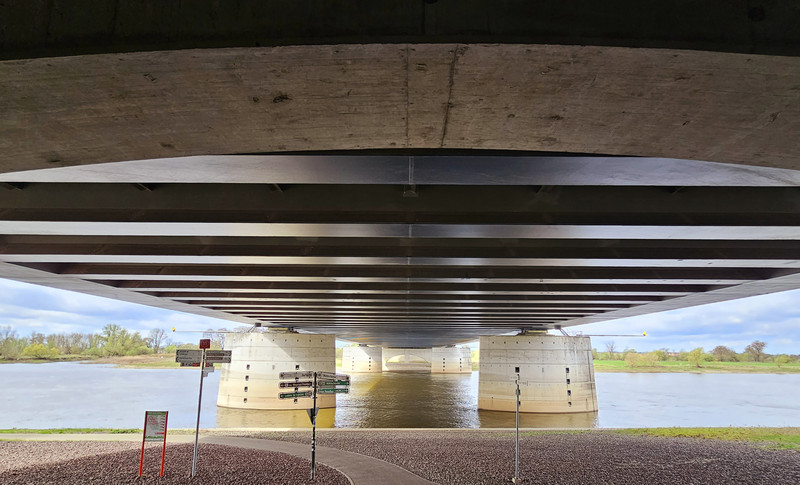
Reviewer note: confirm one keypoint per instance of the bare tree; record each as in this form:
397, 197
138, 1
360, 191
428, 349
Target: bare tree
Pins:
611, 348
157, 337
756, 349
724, 354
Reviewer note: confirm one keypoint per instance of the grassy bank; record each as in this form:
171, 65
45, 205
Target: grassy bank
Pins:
783, 438
70, 431
705, 367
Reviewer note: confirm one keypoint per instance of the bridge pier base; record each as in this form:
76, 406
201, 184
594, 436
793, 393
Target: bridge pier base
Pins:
251, 380
451, 360
362, 359
556, 374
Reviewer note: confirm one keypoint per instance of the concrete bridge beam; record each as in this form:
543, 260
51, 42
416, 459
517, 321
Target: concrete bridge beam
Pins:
556, 374
251, 380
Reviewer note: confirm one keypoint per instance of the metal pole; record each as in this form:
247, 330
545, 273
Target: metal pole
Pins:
199, 402
314, 430
516, 454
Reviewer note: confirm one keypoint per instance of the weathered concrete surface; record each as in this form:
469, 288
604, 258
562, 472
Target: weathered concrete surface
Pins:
734, 108
556, 374
251, 380
362, 359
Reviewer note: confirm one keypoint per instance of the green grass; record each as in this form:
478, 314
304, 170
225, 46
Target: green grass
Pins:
705, 367
69, 431
781, 438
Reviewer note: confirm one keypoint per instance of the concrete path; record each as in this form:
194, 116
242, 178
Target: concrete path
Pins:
360, 469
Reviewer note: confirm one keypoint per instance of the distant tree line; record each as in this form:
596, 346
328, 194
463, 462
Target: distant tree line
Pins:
113, 340
754, 352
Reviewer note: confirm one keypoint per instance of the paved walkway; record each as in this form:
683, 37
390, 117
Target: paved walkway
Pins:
360, 469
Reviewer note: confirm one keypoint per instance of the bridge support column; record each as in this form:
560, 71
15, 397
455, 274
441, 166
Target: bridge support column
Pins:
451, 360
250, 381
556, 374
362, 359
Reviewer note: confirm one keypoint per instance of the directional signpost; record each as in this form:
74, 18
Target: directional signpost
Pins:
320, 383
204, 358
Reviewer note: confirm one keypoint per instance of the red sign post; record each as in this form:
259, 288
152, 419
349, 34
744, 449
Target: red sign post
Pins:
155, 429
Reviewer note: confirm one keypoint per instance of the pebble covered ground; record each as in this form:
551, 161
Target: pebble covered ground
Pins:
111, 463
464, 457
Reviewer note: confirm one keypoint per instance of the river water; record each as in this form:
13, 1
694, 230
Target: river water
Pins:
61, 395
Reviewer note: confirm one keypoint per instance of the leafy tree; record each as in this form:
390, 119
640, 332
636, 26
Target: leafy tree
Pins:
782, 360
659, 355
724, 354
651, 359
696, 356
632, 359
11, 346
756, 350
40, 351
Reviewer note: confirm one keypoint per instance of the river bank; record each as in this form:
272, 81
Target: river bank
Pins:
167, 361
442, 456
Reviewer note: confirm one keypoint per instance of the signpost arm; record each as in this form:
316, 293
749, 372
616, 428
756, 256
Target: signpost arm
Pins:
199, 402
314, 430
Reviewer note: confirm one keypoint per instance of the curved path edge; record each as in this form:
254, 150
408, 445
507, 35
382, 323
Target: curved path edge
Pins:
360, 469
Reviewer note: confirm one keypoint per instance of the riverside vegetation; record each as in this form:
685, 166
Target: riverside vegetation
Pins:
117, 345
113, 344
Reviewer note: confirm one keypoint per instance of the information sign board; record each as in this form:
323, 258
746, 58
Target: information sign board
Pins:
333, 390
333, 383
155, 429
218, 356
294, 395
188, 356
196, 364
155, 425
296, 375
296, 384
331, 375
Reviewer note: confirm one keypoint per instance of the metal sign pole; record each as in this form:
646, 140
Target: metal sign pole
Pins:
314, 430
516, 454
199, 402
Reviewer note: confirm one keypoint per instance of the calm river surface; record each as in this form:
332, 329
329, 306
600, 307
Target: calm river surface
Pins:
90, 395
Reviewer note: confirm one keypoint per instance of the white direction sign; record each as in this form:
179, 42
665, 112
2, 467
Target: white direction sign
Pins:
332, 376
218, 356
189, 356
296, 375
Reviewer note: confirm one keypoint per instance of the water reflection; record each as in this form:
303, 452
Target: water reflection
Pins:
253, 418
404, 400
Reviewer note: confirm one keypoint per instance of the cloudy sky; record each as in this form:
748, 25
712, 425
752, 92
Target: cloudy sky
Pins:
775, 319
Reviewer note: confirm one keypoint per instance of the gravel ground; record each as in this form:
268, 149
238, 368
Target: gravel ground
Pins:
463, 458
107, 463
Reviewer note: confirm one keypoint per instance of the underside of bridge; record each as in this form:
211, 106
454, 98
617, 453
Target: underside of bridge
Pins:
402, 175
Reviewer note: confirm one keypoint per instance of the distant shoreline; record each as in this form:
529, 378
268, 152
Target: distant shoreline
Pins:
167, 361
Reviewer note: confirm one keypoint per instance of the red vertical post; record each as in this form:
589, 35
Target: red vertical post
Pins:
163, 447
144, 433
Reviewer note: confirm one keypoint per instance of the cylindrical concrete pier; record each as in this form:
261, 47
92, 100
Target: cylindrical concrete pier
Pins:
362, 359
451, 360
556, 374
251, 380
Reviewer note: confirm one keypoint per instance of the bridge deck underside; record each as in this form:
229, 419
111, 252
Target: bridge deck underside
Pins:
379, 264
